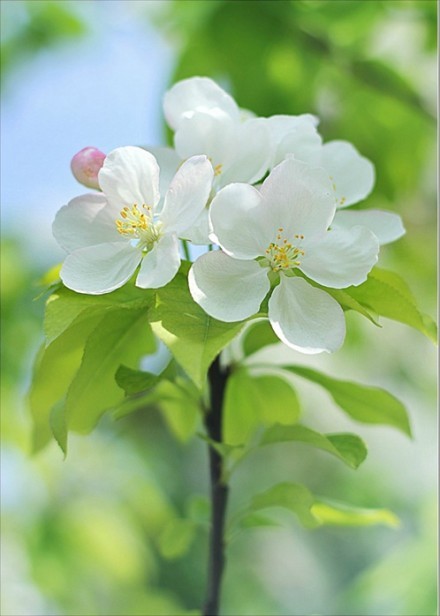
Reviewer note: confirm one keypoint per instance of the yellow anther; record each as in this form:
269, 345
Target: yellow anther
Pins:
134, 220
282, 254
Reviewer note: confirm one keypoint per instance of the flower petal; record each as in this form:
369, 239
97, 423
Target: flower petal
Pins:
295, 135
386, 226
300, 199
228, 289
187, 195
199, 232
342, 257
212, 134
86, 221
169, 162
130, 175
196, 94
251, 153
352, 174
238, 219
305, 318
100, 269
160, 264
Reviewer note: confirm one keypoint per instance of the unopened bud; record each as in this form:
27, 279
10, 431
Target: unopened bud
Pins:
85, 166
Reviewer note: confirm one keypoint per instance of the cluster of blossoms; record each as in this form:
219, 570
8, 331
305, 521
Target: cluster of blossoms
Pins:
287, 236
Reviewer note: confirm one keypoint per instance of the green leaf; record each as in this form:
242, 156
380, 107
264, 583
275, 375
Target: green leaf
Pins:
176, 538
58, 425
252, 401
55, 367
122, 336
198, 509
388, 295
347, 447
347, 302
179, 407
363, 403
64, 306
254, 520
193, 337
311, 511
135, 381
340, 514
257, 336
292, 496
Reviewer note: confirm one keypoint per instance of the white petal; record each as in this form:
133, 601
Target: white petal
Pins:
295, 135
300, 198
386, 226
199, 232
342, 257
212, 134
305, 318
238, 221
86, 221
304, 144
352, 174
251, 153
100, 269
196, 94
130, 176
228, 289
169, 162
187, 195
160, 264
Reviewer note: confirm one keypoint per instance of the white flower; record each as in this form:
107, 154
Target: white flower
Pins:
208, 121
352, 175
109, 235
273, 235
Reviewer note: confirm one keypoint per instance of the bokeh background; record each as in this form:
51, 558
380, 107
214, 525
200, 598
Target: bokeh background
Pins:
84, 535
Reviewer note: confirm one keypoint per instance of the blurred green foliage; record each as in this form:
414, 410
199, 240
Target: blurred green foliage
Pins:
33, 26
96, 534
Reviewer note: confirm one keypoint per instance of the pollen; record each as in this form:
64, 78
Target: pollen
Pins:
218, 169
134, 221
283, 254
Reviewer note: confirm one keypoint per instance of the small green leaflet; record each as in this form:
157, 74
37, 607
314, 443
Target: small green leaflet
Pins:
193, 337
388, 295
181, 410
347, 447
64, 306
176, 538
333, 513
55, 367
258, 335
312, 511
178, 399
363, 403
135, 381
122, 336
252, 401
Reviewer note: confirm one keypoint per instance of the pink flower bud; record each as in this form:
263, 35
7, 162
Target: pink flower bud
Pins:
85, 166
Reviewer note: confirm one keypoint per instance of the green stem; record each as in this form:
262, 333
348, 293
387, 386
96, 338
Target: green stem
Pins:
186, 250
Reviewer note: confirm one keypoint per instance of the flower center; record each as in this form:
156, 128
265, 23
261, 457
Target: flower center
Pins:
137, 223
282, 254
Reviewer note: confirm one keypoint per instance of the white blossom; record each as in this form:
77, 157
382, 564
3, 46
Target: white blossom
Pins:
108, 235
352, 174
269, 238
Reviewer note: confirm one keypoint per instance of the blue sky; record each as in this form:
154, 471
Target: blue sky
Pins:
104, 90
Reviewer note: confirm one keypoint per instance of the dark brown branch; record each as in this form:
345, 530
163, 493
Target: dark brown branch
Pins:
219, 491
